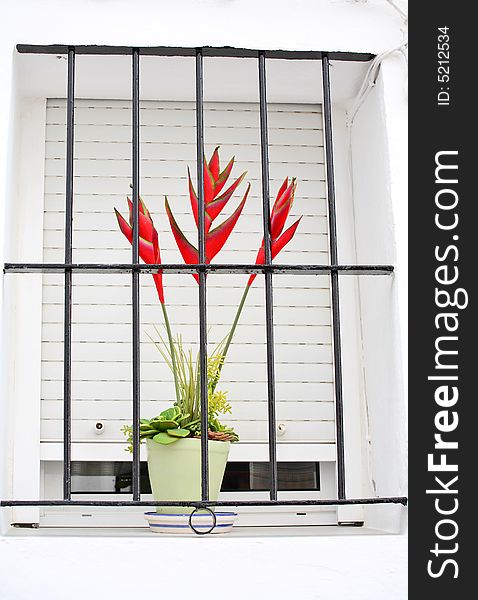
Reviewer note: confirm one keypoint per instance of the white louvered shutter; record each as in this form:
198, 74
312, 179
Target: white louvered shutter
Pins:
101, 335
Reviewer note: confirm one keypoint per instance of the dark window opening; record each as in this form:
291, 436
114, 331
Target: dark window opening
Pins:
255, 476
94, 477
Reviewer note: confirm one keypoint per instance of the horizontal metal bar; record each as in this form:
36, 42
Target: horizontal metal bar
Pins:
334, 502
180, 268
224, 51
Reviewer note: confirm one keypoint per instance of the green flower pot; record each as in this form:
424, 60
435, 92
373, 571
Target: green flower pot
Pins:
175, 471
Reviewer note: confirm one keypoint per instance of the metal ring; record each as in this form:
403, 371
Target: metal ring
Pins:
198, 508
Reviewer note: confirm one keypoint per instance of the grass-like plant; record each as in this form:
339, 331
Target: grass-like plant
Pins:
183, 419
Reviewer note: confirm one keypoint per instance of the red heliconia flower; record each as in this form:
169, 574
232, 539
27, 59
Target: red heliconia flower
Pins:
148, 240
214, 182
279, 238
280, 212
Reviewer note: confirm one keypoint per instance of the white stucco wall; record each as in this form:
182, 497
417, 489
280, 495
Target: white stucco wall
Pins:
379, 213
342, 567
324, 568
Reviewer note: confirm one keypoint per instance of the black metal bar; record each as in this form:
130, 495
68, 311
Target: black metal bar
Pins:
266, 210
334, 278
225, 51
202, 277
70, 127
181, 268
334, 502
136, 475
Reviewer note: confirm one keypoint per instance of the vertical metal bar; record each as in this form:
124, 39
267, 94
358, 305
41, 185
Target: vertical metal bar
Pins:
135, 280
202, 277
268, 278
334, 277
70, 124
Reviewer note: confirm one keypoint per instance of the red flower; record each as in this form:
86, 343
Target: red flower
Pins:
148, 240
214, 181
280, 212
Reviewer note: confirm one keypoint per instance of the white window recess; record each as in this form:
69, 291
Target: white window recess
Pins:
101, 373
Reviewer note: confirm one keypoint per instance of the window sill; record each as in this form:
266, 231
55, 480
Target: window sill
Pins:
237, 532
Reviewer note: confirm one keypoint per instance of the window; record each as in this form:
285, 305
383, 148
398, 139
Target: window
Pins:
79, 360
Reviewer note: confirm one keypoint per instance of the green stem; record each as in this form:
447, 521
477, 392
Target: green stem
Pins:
231, 335
172, 350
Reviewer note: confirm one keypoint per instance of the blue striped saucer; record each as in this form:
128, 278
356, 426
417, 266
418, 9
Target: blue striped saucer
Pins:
173, 523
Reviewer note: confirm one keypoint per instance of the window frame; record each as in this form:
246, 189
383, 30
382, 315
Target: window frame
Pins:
25, 491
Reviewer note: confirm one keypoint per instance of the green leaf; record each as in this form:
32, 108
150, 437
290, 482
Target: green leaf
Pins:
164, 438
144, 421
145, 427
170, 414
180, 433
163, 424
149, 433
